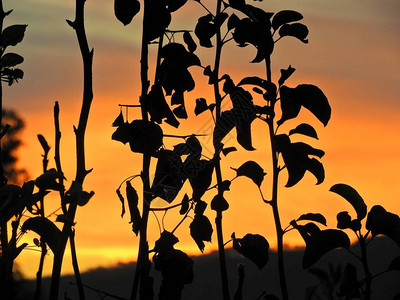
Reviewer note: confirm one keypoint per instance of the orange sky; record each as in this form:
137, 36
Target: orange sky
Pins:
352, 56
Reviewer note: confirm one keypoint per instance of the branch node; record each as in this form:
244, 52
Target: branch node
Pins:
72, 24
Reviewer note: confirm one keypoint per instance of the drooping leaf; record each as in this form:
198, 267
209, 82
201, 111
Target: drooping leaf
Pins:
252, 170
125, 10
306, 95
226, 151
233, 21
119, 121
285, 16
13, 35
84, 198
158, 108
321, 242
166, 242
219, 203
185, 205
48, 180
11, 60
132, 198
200, 175
200, 207
49, 232
176, 268
158, 20
297, 30
180, 112
201, 230
254, 247
205, 30
305, 129
316, 217
187, 38
380, 221
269, 87
285, 74
201, 106
353, 197
168, 179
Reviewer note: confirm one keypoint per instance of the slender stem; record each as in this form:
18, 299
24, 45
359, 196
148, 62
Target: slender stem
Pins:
218, 219
57, 157
274, 200
75, 265
141, 279
81, 172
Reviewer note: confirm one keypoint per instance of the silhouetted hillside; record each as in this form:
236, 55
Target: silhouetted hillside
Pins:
118, 280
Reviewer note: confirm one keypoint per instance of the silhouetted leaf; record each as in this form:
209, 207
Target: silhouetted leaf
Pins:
185, 205
201, 106
254, 247
349, 283
269, 87
125, 10
308, 96
343, 220
285, 74
11, 202
316, 217
11, 60
48, 180
158, 108
285, 16
200, 207
321, 242
201, 230
132, 198
143, 136
158, 20
226, 151
176, 269
205, 30
380, 221
119, 121
353, 197
395, 264
64, 219
200, 176
13, 35
166, 242
168, 179
297, 30
225, 185
219, 203
317, 169
305, 129
49, 232
174, 5
233, 21
237, 4
187, 38
43, 143
252, 170
12, 75
180, 112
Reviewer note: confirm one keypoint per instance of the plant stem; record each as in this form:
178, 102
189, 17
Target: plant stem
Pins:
81, 172
367, 273
274, 199
218, 219
143, 263
75, 265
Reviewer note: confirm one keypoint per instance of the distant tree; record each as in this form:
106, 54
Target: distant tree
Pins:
10, 144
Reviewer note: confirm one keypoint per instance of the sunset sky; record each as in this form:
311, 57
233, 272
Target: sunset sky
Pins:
352, 55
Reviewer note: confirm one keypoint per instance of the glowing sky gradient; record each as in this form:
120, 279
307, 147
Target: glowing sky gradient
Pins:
352, 55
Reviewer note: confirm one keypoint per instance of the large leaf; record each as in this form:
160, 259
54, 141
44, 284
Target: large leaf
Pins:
200, 175
285, 16
125, 10
48, 180
133, 198
205, 30
306, 95
304, 129
353, 197
168, 179
158, 20
201, 230
316, 217
254, 247
297, 30
13, 35
380, 221
166, 242
11, 60
49, 232
252, 170
321, 242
